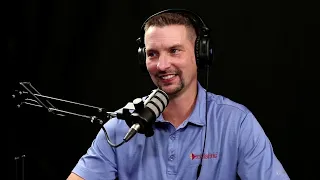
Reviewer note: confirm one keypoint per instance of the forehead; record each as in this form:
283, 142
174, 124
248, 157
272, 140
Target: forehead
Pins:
156, 37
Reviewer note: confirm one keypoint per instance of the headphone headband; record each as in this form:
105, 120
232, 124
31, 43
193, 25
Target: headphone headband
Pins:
196, 20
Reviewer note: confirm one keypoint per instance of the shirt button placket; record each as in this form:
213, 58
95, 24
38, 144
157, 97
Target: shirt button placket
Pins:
173, 137
172, 154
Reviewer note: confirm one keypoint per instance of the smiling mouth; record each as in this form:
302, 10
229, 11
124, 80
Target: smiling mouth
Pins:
167, 76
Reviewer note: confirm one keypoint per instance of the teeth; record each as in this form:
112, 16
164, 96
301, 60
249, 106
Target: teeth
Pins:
168, 76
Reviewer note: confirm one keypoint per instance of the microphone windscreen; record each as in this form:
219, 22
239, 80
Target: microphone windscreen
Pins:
154, 105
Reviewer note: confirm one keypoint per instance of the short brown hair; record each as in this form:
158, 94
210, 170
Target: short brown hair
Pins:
169, 18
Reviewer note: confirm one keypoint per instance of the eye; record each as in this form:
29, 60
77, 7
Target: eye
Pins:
174, 51
151, 54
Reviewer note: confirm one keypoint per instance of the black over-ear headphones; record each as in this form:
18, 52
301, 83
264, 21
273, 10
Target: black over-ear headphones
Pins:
203, 45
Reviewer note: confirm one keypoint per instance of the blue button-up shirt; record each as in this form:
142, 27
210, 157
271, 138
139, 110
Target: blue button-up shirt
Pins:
235, 145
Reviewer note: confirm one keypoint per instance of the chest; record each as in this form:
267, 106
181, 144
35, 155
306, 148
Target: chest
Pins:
171, 154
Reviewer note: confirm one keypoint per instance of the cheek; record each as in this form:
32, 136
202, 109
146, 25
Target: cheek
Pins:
189, 68
152, 67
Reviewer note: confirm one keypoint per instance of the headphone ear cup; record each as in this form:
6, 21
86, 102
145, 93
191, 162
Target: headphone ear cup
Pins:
142, 59
196, 51
204, 52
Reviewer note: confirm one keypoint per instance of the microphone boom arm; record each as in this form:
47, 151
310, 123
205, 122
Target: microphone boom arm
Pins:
19, 95
28, 90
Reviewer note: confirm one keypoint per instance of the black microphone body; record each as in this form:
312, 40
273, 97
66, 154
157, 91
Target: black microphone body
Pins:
146, 113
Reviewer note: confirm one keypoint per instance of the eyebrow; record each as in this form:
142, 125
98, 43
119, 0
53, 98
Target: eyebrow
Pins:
174, 46
179, 46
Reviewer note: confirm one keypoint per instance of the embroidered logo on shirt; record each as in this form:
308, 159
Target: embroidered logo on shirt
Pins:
205, 156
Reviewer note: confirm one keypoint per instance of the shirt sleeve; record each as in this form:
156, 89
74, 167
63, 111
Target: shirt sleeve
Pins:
257, 160
99, 162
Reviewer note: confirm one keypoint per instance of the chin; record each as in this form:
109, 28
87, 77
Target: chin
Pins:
172, 89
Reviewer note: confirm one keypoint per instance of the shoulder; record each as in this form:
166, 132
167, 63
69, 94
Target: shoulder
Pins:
221, 104
230, 114
116, 126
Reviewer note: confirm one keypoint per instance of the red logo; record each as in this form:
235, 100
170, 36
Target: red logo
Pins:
205, 156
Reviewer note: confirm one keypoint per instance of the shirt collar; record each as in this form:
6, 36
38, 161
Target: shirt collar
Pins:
198, 114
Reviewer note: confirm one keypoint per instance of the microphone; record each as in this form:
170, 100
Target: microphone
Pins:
146, 113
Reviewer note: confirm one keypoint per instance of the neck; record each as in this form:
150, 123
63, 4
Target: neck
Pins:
181, 106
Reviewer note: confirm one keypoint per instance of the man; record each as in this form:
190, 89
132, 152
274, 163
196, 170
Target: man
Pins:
197, 127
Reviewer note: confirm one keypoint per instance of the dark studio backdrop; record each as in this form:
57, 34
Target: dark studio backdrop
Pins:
85, 51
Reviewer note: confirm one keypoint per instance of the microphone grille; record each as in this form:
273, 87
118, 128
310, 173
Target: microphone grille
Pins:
158, 102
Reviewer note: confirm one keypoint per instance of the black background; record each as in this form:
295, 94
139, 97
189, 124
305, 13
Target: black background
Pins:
85, 51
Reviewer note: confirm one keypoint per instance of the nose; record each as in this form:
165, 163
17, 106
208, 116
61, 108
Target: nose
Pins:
163, 63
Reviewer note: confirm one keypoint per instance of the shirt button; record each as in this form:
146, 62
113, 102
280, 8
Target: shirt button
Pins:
171, 157
173, 137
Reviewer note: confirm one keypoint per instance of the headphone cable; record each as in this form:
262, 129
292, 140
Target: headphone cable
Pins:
206, 116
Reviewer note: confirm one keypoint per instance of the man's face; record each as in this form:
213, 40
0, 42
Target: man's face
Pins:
170, 58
